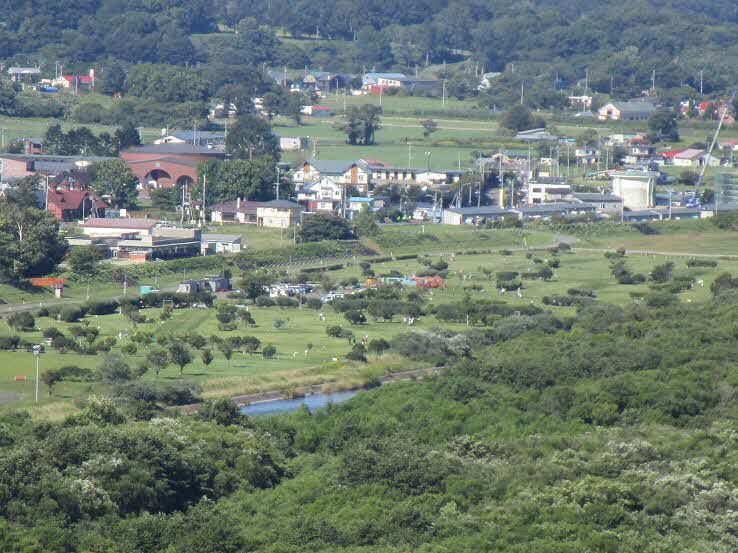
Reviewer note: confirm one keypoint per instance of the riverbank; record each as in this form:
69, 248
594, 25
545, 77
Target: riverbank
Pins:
279, 395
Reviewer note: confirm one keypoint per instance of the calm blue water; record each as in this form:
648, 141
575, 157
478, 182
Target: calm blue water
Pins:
315, 401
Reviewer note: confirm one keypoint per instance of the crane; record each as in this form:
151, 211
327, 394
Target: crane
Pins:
695, 201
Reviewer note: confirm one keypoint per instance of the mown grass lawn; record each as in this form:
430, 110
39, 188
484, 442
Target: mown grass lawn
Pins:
324, 362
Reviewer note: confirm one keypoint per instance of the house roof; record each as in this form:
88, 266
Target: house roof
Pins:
595, 197
360, 199
549, 180
201, 135
231, 206
24, 71
173, 148
671, 153
481, 210
282, 204
554, 207
172, 160
331, 166
72, 199
690, 153
385, 76
132, 224
632, 107
47, 157
54, 166
215, 237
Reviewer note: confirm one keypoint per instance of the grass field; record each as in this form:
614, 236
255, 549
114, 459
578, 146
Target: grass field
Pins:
689, 236
324, 363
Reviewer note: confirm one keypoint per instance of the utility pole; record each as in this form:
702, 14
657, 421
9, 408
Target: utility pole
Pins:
409, 156
653, 81
586, 80
701, 73
276, 184
522, 92
205, 198
184, 192
443, 95
37, 353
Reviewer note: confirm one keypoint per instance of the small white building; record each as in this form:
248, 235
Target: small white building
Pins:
278, 214
341, 172
626, 111
636, 188
692, 157
548, 189
472, 215
220, 243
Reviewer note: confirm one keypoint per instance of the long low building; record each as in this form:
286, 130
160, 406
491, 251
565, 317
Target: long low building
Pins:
138, 240
473, 215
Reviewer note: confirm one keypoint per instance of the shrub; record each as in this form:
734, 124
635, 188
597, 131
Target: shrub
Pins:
62, 344
22, 321
179, 393
264, 301
268, 351
355, 317
71, 314
663, 272
314, 303
357, 353
51, 332
72, 372
695, 262
334, 331
283, 301
378, 346
102, 307
9, 342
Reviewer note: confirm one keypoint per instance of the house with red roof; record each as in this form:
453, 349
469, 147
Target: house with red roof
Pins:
73, 205
669, 155
76, 82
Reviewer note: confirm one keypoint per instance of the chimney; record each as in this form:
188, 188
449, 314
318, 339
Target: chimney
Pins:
238, 203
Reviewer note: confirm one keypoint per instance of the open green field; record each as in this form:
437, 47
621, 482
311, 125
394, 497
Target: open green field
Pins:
324, 362
688, 237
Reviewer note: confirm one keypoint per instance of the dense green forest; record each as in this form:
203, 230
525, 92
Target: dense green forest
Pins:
546, 44
610, 430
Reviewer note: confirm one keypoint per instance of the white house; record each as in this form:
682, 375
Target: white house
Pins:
220, 243
547, 189
692, 157
341, 172
626, 111
324, 189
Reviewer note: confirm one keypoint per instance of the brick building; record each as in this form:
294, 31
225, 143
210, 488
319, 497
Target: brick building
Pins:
166, 165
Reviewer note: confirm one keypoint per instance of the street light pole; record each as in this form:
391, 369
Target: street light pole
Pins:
37, 353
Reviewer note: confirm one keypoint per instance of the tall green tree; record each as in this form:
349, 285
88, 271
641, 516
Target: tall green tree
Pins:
663, 125
179, 354
239, 178
127, 136
251, 137
83, 261
360, 124
325, 227
30, 242
114, 179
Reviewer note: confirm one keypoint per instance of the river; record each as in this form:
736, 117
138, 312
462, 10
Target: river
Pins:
313, 401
